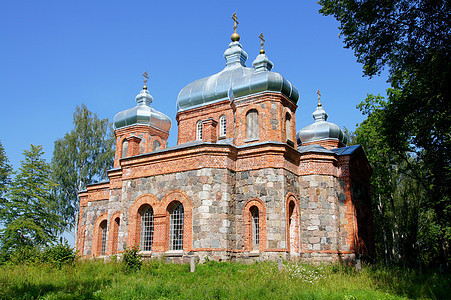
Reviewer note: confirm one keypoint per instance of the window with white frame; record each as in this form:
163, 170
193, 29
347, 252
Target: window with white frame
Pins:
252, 127
288, 126
146, 229
199, 131
103, 228
222, 126
176, 227
255, 227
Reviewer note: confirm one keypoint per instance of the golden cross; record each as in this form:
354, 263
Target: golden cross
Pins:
234, 18
146, 76
319, 97
262, 40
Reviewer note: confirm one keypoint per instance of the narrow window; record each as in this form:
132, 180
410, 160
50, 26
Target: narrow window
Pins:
288, 126
176, 227
252, 127
255, 227
146, 229
116, 224
124, 149
199, 131
104, 235
222, 126
156, 145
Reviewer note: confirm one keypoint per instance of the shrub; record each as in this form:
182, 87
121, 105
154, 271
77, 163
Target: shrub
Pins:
24, 254
59, 254
132, 259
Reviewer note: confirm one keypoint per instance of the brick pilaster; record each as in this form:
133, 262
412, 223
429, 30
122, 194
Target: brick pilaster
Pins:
209, 132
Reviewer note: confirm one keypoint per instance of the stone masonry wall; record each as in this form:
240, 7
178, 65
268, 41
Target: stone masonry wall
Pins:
322, 214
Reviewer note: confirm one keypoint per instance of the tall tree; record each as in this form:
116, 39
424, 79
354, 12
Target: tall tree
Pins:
412, 39
29, 211
5, 173
82, 157
406, 230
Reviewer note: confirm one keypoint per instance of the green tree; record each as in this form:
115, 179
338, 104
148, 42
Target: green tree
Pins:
82, 157
5, 173
29, 211
411, 39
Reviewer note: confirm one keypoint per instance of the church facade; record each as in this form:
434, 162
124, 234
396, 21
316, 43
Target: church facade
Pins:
241, 183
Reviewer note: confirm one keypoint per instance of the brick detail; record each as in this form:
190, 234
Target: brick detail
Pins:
113, 232
133, 145
81, 239
293, 222
97, 234
161, 211
146, 133
247, 216
271, 107
328, 144
209, 130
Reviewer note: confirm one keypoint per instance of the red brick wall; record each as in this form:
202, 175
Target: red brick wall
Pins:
272, 109
187, 120
147, 135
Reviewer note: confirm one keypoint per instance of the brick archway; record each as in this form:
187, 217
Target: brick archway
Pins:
166, 202
293, 218
134, 220
97, 234
113, 232
247, 221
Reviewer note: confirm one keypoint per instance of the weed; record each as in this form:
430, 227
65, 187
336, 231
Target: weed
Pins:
132, 259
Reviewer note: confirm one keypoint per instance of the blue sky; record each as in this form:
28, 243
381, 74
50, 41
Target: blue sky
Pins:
55, 55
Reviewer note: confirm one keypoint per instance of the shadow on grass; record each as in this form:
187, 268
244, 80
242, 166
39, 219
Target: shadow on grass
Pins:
410, 283
75, 290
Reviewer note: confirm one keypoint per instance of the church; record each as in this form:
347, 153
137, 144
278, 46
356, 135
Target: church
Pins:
240, 185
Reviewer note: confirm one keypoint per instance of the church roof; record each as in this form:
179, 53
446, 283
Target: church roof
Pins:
320, 129
143, 114
236, 80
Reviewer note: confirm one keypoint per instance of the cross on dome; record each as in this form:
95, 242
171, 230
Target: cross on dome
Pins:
262, 51
146, 77
235, 36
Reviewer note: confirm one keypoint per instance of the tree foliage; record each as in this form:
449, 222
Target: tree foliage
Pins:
82, 157
29, 211
5, 173
406, 229
411, 39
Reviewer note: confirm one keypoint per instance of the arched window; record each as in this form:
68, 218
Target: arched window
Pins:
176, 227
255, 227
222, 126
156, 145
124, 149
252, 127
147, 228
103, 230
288, 126
199, 131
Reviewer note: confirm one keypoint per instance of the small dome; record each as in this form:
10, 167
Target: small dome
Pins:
321, 129
143, 114
235, 80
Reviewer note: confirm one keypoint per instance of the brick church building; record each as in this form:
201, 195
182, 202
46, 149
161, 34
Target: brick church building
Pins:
241, 183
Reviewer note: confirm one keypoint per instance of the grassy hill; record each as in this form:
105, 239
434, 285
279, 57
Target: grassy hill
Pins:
217, 280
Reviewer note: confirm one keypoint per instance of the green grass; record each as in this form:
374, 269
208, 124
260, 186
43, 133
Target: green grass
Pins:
213, 280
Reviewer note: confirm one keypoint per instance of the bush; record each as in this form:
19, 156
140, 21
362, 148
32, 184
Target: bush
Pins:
132, 259
24, 254
59, 254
